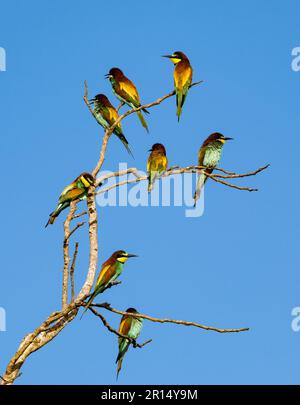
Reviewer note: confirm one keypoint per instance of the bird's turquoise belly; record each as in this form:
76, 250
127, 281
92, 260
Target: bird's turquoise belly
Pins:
212, 157
135, 329
119, 97
101, 120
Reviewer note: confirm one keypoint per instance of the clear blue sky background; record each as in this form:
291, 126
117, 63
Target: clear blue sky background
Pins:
237, 266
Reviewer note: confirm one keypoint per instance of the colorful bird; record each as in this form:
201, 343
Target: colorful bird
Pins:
126, 92
183, 75
77, 190
157, 164
110, 271
209, 156
129, 326
106, 115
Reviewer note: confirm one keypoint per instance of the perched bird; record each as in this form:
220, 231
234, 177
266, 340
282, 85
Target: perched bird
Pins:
183, 75
129, 326
106, 115
126, 92
209, 156
77, 190
157, 164
110, 271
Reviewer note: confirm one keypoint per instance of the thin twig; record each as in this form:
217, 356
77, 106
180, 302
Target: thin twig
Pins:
120, 106
238, 176
72, 270
232, 185
85, 98
79, 215
74, 230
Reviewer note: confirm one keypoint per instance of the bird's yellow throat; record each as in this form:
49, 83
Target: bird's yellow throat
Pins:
122, 259
175, 60
85, 182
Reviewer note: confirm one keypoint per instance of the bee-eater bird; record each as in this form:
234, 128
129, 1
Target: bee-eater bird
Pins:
110, 271
129, 326
77, 190
209, 156
183, 75
157, 164
126, 92
106, 115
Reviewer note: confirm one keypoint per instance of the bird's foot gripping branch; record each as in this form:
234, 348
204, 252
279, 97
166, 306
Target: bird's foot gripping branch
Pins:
87, 186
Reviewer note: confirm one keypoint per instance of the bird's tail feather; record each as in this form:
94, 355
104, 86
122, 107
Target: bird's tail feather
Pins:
55, 214
150, 185
179, 102
200, 183
122, 350
119, 367
142, 119
151, 179
88, 304
51, 220
125, 143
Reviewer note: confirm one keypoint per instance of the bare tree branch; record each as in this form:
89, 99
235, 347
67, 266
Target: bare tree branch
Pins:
93, 237
166, 320
179, 170
66, 254
57, 320
110, 130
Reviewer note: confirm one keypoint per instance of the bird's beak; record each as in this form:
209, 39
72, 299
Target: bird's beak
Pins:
107, 76
228, 139
131, 255
167, 56
91, 101
150, 150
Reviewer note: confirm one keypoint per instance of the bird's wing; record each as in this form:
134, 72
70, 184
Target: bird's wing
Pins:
125, 325
70, 193
124, 329
183, 74
129, 92
110, 114
163, 164
157, 163
100, 119
201, 156
106, 274
68, 188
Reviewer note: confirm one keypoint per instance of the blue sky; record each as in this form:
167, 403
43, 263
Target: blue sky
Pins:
236, 266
